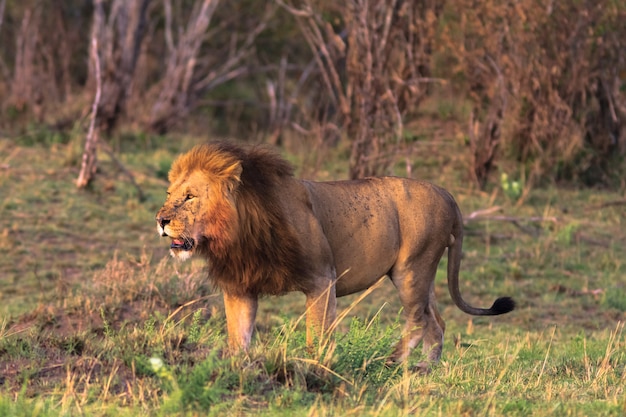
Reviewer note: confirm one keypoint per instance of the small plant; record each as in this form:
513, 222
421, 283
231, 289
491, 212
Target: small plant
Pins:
616, 298
567, 233
200, 388
108, 331
195, 330
149, 325
16, 347
363, 351
512, 189
72, 345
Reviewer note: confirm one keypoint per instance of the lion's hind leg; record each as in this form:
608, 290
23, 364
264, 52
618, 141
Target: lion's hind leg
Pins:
432, 341
423, 322
412, 335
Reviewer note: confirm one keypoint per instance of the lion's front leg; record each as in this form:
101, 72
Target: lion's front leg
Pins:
321, 311
240, 316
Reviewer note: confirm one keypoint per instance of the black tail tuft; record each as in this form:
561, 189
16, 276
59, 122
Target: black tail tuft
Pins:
502, 305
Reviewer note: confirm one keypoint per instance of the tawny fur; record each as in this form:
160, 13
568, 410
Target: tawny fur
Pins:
265, 232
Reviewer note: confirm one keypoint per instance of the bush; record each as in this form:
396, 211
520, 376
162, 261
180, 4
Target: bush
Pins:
545, 85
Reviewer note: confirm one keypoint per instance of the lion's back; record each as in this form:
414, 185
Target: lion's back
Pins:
388, 197
368, 223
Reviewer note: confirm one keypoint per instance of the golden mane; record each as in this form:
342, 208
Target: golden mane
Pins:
262, 255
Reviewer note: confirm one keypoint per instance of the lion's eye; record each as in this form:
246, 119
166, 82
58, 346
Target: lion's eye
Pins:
189, 197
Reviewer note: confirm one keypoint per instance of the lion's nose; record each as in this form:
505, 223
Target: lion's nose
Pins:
163, 221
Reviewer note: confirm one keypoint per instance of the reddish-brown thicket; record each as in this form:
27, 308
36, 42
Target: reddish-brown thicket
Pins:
374, 65
547, 82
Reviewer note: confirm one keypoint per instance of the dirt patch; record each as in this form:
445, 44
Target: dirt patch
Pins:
52, 348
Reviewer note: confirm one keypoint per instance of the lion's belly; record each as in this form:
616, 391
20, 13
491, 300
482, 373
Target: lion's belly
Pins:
364, 248
361, 260
356, 281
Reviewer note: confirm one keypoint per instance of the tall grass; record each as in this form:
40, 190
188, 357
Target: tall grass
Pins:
96, 319
145, 355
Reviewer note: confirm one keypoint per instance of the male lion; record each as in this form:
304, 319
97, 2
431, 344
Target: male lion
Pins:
265, 232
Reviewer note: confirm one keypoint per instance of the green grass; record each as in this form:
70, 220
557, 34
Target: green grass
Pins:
90, 302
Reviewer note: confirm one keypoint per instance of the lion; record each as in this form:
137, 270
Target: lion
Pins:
265, 232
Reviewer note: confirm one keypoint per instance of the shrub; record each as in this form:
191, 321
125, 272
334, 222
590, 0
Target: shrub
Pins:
545, 85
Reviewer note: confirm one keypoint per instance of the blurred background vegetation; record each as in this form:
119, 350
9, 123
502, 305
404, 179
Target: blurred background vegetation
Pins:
536, 87
517, 107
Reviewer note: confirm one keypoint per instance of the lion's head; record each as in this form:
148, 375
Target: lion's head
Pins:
199, 212
224, 202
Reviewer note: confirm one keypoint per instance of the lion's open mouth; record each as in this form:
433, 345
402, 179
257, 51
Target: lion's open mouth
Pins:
183, 244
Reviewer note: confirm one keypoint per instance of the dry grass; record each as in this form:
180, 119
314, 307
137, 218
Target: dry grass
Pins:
88, 295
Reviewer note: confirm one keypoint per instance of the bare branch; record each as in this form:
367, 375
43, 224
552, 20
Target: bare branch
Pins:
169, 40
512, 219
3, 69
482, 212
88, 165
307, 12
226, 71
140, 195
177, 84
2, 4
388, 17
482, 215
23, 88
310, 39
378, 78
344, 106
224, 77
607, 204
193, 38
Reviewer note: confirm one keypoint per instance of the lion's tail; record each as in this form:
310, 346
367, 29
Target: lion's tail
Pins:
500, 306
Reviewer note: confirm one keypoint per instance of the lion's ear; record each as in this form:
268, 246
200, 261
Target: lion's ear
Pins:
233, 175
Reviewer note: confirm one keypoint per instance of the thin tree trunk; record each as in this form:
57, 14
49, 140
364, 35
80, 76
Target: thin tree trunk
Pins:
2, 4
173, 98
89, 163
120, 38
3, 69
24, 81
188, 74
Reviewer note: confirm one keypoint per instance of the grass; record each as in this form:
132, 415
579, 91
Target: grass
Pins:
97, 320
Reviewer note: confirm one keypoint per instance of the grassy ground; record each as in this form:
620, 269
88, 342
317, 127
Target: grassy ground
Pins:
95, 319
